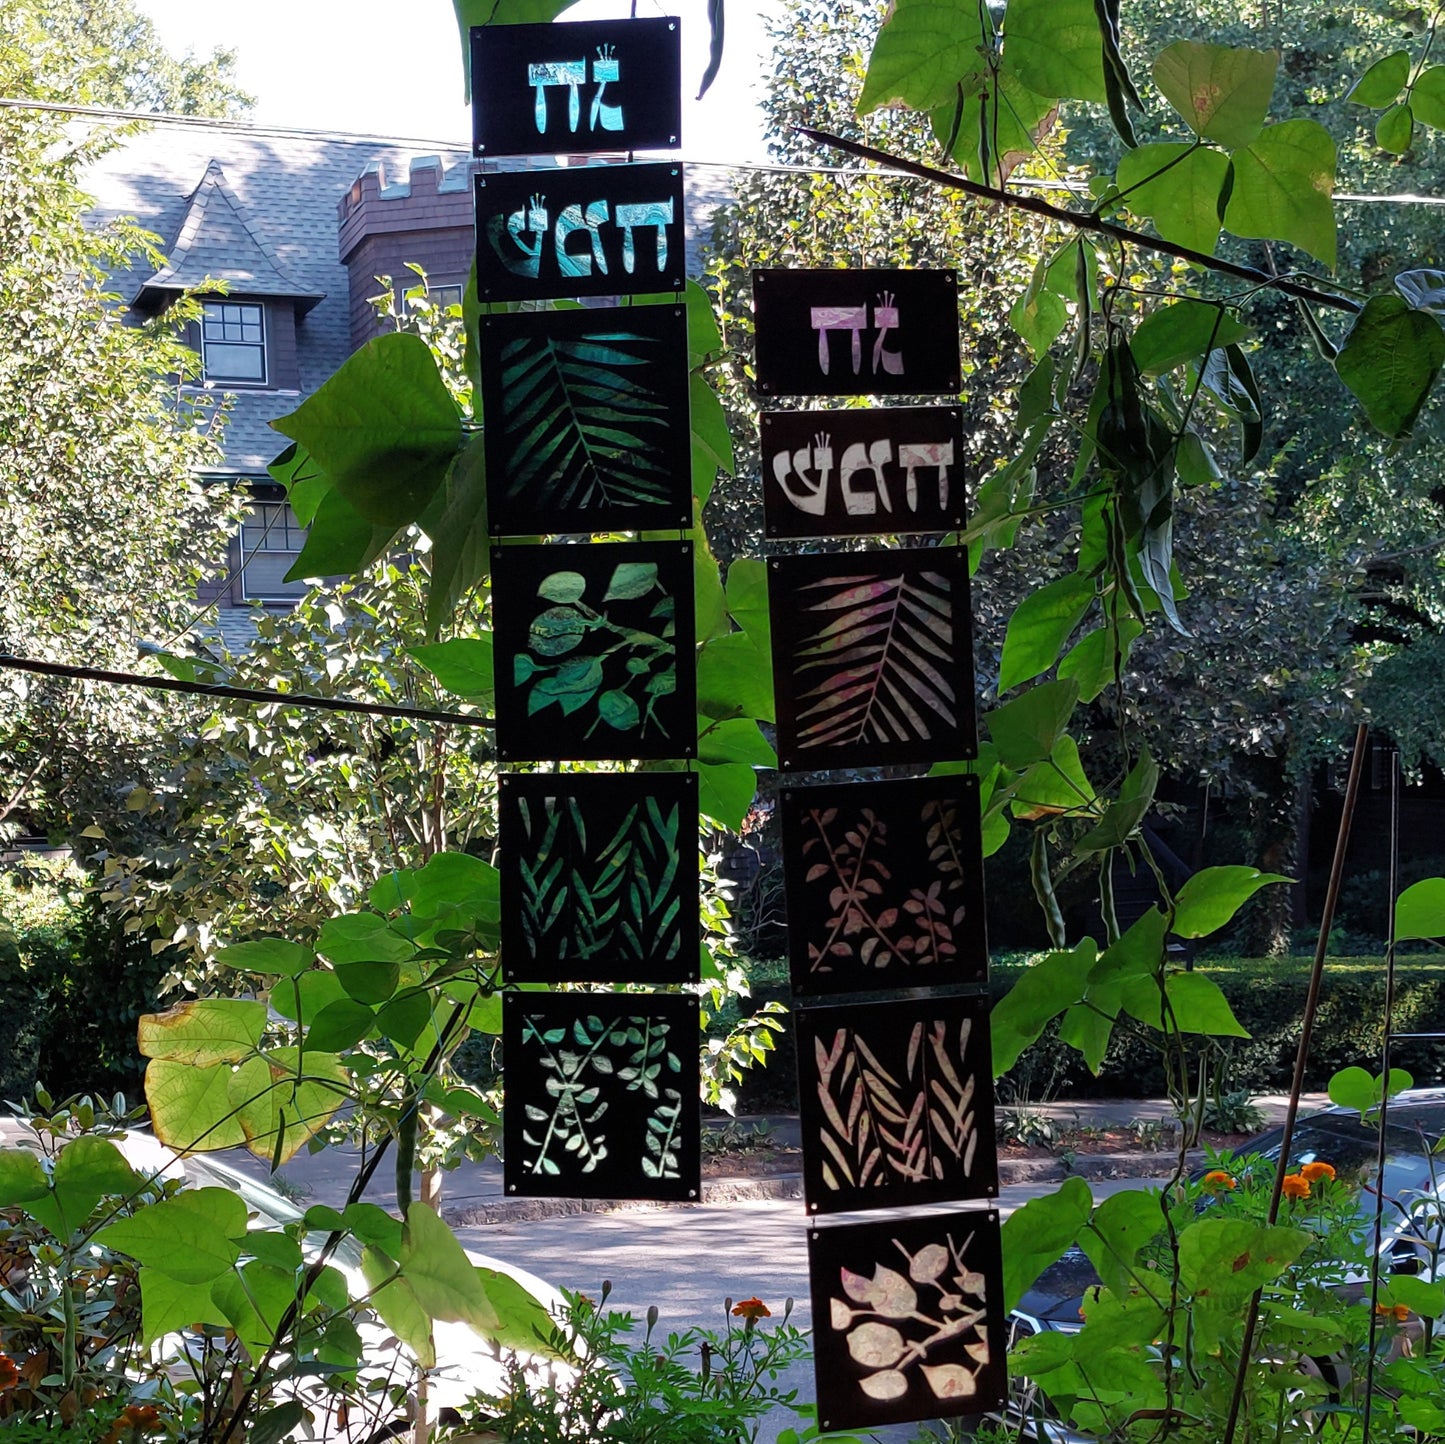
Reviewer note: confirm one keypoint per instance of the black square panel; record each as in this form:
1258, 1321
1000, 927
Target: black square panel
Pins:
587, 420
884, 885
606, 230
897, 1103
862, 471
908, 1319
872, 658
570, 87
600, 1098
856, 333
599, 877
595, 653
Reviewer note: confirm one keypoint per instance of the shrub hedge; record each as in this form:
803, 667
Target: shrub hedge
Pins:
1267, 995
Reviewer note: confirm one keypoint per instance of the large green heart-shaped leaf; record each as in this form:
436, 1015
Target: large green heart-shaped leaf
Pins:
1284, 185
1182, 331
463, 665
1040, 626
339, 542
1055, 48
1025, 729
1382, 83
1177, 186
1420, 910
1212, 897
1221, 91
925, 51
192, 1238
384, 428
1037, 1235
457, 525
204, 1031
1390, 361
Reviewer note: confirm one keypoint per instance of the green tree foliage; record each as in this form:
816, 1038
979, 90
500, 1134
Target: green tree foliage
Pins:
104, 531
109, 54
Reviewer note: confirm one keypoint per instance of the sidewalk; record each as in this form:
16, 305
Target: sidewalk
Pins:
474, 1194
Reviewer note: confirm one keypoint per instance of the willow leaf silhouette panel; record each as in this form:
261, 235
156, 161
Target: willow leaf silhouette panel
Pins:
587, 420
897, 1103
856, 333
884, 885
871, 658
599, 883
595, 651
612, 230
880, 471
575, 86
908, 1319
601, 1095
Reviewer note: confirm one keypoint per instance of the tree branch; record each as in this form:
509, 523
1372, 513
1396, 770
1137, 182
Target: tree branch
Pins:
1083, 221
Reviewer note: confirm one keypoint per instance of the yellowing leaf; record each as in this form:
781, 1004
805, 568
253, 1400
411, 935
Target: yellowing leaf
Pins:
202, 1032
1222, 92
1284, 187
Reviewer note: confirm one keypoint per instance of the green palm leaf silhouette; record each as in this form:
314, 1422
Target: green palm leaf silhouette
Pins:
584, 425
873, 655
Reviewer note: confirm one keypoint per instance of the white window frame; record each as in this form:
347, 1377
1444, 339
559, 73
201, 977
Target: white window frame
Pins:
259, 538
223, 318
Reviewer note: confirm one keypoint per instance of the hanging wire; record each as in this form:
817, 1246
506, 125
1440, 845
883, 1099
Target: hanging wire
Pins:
255, 695
1392, 893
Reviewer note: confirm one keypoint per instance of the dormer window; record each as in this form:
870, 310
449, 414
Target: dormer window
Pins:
233, 343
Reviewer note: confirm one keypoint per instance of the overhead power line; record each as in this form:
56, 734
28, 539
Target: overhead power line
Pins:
461, 148
257, 696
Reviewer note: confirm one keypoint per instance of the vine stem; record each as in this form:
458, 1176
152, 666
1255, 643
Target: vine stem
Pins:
1082, 221
1327, 919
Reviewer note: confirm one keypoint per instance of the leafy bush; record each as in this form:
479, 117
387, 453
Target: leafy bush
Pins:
1267, 995
75, 985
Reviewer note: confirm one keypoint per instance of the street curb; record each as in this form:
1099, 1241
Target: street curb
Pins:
789, 1186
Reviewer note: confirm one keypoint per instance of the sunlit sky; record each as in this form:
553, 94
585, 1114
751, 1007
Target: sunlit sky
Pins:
379, 68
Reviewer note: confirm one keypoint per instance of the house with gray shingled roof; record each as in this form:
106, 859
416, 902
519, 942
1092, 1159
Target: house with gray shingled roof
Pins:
299, 226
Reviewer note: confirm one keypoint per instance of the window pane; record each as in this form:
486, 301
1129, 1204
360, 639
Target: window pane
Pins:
235, 363
271, 540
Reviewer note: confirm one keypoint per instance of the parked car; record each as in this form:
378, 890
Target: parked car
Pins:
466, 1362
1412, 1177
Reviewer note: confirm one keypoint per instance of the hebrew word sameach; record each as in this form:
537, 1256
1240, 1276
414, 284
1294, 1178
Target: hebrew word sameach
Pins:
604, 231
576, 86
859, 473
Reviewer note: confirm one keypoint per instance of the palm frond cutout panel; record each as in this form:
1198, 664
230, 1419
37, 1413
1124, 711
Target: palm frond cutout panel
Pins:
599, 877
587, 424
595, 651
600, 1098
872, 659
908, 1319
897, 1103
884, 885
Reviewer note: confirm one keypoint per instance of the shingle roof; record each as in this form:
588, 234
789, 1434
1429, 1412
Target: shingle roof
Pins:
286, 186
262, 205
217, 242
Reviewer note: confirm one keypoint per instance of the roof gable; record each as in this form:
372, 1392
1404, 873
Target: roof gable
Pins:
217, 241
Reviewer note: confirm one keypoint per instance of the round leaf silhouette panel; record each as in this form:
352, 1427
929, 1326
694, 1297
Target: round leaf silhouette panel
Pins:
908, 1319
595, 653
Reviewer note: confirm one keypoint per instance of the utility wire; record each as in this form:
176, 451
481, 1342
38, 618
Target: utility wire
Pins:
256, 695
461, 148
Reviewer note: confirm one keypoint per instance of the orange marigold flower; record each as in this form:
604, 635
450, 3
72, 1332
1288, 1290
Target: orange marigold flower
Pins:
1296, 1185
1218, 1181
143, 1418
1399, 1312
9, 1373
753, 1308
1317, 1171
